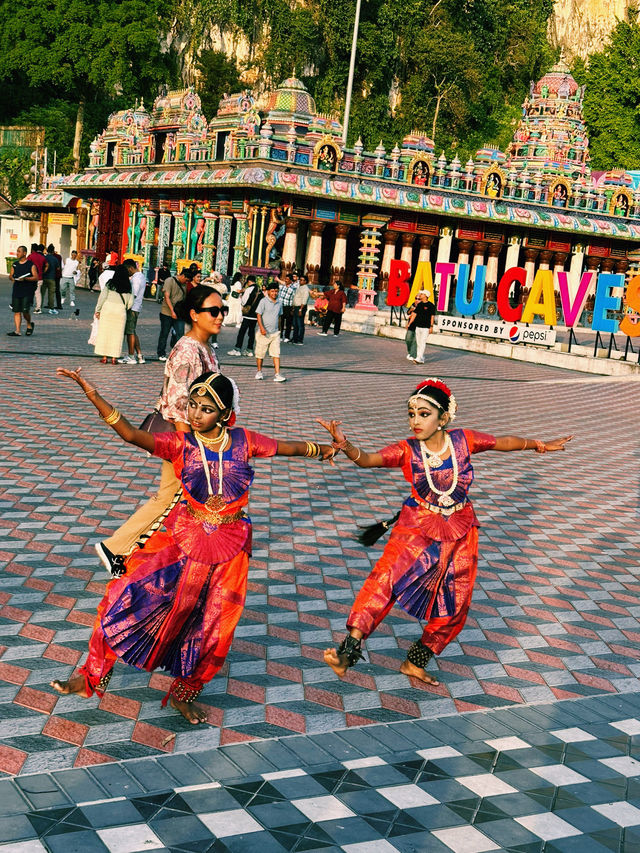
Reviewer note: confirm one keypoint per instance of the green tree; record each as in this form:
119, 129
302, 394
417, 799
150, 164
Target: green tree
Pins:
86, 51
14, 173
217, 75
611, 100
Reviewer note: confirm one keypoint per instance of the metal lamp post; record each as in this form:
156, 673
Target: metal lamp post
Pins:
352, 65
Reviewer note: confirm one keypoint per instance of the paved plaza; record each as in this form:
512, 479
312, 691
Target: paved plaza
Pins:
529, 743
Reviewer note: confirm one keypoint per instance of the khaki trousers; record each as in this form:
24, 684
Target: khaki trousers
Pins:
126, 536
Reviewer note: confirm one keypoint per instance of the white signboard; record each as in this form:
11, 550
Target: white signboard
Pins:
513, 333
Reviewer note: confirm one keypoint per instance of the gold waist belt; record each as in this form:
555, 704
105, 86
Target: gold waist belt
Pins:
214, 517
441, 510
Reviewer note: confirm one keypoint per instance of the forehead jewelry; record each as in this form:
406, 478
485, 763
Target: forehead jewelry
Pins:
202, 389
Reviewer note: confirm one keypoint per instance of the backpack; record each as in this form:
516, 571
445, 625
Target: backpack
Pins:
249, 308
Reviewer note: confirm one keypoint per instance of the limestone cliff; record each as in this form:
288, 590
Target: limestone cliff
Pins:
582, 26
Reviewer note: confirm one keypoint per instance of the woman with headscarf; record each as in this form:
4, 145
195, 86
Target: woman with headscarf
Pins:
428, 567
111, 311
183, 592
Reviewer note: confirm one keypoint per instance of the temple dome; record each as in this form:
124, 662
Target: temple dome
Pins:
559, 81
291, 96
490, 155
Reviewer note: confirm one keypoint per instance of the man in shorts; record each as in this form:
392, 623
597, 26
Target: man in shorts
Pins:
138, 286
268, 335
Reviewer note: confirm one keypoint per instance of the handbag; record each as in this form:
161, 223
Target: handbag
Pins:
154, 422
93, 334
250, 306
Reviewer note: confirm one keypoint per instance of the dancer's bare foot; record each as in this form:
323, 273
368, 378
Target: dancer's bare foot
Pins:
413, 671
192, 713
338, 663
74, 685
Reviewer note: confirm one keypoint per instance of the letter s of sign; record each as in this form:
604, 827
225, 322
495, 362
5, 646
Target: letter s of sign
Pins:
629, 326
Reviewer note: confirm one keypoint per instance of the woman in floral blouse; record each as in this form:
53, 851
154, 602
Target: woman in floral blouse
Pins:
191, 356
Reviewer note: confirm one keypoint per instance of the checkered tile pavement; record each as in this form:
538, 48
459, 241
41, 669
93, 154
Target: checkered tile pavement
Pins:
558, 778
555, 613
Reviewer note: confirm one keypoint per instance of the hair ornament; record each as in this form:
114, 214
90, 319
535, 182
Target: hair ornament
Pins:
435, 384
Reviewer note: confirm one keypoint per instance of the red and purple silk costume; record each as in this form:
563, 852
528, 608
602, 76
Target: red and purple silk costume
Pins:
178, 604
429, 564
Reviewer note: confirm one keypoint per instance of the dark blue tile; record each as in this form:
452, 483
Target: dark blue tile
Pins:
363, 742
248, 760
508, 833
183, 770
216, 765
79, 785
173, 831
436, 817
275, 752
209, 800
420, 842
84, 841
11, 800
350, 830
252, 842
150, 775
336, 747
115, 780
16, 827
298, 786
277, 815
309, 752
42, 791
103, 815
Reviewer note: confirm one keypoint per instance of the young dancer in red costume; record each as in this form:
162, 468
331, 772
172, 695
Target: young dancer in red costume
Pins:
429, 564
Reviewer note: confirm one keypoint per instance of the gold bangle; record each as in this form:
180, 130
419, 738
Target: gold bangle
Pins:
112, 418
91, 391
358, 456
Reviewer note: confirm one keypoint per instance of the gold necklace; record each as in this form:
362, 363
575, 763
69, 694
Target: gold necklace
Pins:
212, 442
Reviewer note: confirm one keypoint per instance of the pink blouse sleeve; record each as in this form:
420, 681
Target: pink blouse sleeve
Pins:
479, 441
168, 445
184, 365
261, 445
394, 455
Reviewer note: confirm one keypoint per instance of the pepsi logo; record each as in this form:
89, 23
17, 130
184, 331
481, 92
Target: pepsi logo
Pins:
514, 334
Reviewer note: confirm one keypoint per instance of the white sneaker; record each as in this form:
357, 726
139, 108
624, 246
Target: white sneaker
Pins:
214, 346
128, 359
234, 351
248, 353
72, 304
52, 311
141, 359
62, 301
279, 378
285, 340
323, 334
409, 358
259, 375
162, 358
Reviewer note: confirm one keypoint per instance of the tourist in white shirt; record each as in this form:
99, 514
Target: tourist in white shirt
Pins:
138, 287
69, 279
112, 262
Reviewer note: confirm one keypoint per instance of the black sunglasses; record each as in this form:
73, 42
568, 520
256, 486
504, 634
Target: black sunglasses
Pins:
215, 311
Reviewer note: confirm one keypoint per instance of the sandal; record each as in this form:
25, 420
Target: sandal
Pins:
114, 361
103, 360
14, 334
30, 330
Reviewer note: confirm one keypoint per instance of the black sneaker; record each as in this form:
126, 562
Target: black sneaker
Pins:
113, 563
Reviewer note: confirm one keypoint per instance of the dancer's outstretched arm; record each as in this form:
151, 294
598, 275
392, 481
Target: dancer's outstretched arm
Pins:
340, 442
109, 414
507, 443
305, 448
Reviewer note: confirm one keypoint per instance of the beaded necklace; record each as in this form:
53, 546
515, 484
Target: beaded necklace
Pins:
444, 498
213, 502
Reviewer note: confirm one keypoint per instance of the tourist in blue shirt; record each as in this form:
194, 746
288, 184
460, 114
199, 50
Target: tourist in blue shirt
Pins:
268, 335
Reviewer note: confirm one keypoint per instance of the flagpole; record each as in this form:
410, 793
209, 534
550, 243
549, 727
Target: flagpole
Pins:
352, 66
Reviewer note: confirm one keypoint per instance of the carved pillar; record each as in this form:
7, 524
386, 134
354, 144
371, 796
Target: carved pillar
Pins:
339, 259
492, 266
559, 260
513, 252
44, 227
592, 264
223, 247
479, 249
388, 254
164, 236
290, 248
260, 246
545, 259
575, 269
407, 248
530, 256
314, 251
240, 248
81, 233
177, 247
444, 245
622, 266
608, 264
209, 242
426, 241
464, 248
148, 242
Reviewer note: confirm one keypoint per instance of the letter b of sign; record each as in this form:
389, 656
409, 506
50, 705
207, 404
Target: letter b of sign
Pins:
398, 287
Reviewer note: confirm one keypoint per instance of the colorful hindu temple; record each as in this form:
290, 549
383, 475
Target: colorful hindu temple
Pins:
268, 184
